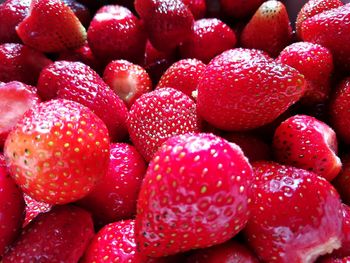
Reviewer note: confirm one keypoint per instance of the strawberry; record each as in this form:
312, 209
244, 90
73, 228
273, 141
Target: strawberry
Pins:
11, 208
242, 89
114, 198
269, 29
21, 63
295, 214
58, 151
116, 33
197, 7
34, 208
240, 8
168, 22
334, 260
314, 7
80, 10
159, 115
307, 143
194, 195
46, 31
183, 75
210, 37
78, 82
316, 64
342, 181
16, 98
330, 29
129, 81
60, 235
11, 13
231, 251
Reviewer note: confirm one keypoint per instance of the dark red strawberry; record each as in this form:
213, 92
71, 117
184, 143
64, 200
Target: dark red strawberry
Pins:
11, 13
228, 252
240, 8
114, 198
339, 110
209, 38
58, 151
333, 260
314, 7
198, 7
269, 29
305, 142
331, 29
159, 115
295, 215
78, 82
46, 31
183, 75
11, 208
16, 98
316, 64
21, 63
241, 90
342, 181
80, 10
34, 208
116, 33
129, 81
168, 22
60, 235
194, 195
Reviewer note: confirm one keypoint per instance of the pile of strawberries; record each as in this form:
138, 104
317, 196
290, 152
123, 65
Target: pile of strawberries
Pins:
154, 131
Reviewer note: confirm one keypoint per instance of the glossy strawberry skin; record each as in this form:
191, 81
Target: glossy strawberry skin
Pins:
240, 8
16, 98
21, 63
80, 10
344, 250
269, 29
197, 7
159, 115
129, 81
242, 90
342, 181
43, 149
295, 215
331, 30
11, 208
209, 38
114, 198
183, 75
194, 195
307, 143
78, 82
34, 208
316, 64
116, 33
168, 22
60, 235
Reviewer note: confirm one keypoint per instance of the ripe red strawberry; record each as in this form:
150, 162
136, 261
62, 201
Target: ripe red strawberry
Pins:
11, 13
305, 142
159, 115
209, 38
342, 181
194, 195
314, 7
11, 208
116, 33
295, 214
316, 64
21, 63
331, 30
168, 22
46, 31
231, 251
240, 8
241, 89
183, 75
80, 10
34, 208
114, 198
58, 151
198, 8
16, 98
269, 29
129, 81
339, 110
334, 260
60, 235
78, 82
